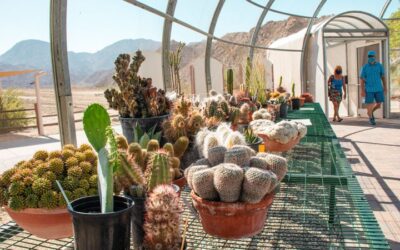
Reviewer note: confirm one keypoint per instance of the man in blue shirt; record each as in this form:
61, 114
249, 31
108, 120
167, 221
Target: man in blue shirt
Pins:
373, 85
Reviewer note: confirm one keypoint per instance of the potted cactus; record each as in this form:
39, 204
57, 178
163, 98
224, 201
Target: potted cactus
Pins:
137, 100
234, 186
217, 110
279, 137
106, 217
144, 169
295, 99
162, 219
29, 193
252, 140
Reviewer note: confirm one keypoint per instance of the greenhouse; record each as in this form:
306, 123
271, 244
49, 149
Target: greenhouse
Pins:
178, 124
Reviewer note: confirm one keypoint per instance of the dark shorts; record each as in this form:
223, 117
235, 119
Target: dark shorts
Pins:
371, 97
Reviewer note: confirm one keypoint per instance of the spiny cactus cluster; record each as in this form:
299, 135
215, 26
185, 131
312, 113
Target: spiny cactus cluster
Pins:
136, 96
32, 183
282, 132
217, 109
262, 114
186, 120
149, 167
161, 225
236, 175
223, 136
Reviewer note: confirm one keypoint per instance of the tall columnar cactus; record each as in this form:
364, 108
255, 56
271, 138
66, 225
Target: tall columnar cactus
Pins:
162, 219
293, 90
158, 170
229, 81
175, 58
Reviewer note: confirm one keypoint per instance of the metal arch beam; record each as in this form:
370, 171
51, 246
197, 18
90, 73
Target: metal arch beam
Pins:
211, 30
359, 19
61, 80
166, 43
191, 27
254, 36
340, 27
346, 22
305, 42
384, 8
277, 11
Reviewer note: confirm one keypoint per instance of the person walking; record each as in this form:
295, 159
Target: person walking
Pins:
373, 85
336, 83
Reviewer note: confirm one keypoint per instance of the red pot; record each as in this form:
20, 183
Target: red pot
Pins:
302, 100
180, 182
232, 220
274, 146
44, 223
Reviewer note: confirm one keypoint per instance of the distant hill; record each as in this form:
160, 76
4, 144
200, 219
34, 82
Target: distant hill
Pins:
35, 54
96, 69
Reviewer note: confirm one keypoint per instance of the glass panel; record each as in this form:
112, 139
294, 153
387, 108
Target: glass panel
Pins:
305, 8
24, 46
196, 13
237, 16
98, 31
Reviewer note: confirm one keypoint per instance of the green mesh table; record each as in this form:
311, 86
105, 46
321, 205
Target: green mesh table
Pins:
320, 204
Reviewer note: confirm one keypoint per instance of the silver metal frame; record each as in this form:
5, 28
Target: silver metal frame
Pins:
166, 44
211, 30
384, 8
254, 36
305, 43
277, 11
61, 80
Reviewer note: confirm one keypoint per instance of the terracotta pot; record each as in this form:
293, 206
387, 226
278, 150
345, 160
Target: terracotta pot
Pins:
44, 223
274, 146
180, 182
302, 100
308, 97
232, 220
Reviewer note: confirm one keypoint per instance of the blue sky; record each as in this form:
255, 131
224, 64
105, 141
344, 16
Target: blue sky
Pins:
94, 24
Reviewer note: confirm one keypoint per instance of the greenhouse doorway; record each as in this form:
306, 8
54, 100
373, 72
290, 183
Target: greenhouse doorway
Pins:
347, 38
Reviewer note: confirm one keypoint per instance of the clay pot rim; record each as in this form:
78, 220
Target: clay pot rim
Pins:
291, 141
58, 210
266, 201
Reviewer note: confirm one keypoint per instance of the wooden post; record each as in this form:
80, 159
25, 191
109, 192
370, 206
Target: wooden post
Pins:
61, 80
38, 104
192, 80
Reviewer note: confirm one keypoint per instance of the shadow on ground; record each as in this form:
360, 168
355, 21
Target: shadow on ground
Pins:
16, 141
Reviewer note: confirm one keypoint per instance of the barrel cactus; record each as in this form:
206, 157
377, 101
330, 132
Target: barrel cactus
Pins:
203, 183
228, 180
238, 156
256, 184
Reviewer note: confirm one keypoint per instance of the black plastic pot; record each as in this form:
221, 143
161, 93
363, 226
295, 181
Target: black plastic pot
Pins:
255, 145
283, 110
137, 221
94, 230
295, 103
128, 124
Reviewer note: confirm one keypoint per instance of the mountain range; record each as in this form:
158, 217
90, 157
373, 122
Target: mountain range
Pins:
94, 69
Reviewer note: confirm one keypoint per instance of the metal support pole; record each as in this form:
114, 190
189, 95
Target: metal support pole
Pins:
38, 106
254, 36
62, 84
384, 8
303, 64
166, 43
209, 44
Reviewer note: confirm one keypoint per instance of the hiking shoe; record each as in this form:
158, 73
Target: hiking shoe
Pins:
372, 121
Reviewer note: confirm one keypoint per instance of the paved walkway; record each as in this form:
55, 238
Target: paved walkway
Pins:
374, 154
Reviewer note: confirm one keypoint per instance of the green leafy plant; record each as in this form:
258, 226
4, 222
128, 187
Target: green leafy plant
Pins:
250, 137
143, 137
10, 100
